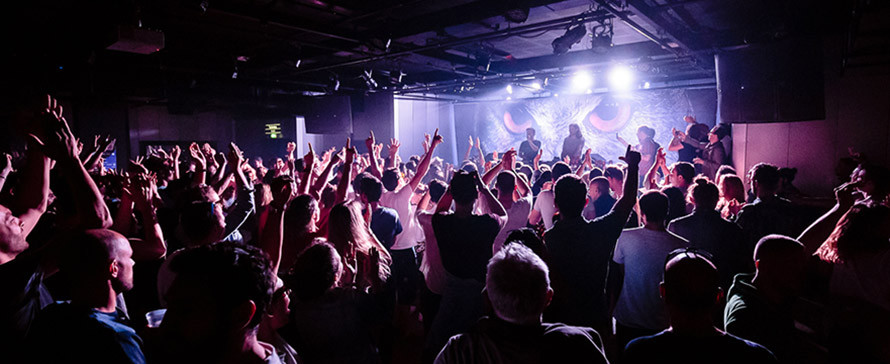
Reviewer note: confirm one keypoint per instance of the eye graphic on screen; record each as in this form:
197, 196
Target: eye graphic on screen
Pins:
610, 115
517, 119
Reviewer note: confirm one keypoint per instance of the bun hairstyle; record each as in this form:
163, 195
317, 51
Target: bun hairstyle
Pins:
704, 194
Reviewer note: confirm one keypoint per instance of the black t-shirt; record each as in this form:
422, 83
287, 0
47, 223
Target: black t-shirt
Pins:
526, 153
580, 252
465, 243
496, 341
669, 347
22, 295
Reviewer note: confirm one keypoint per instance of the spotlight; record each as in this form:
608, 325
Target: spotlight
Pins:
297, 64
367, 76
535, 85
589, 91
646, 84
574, 35
510, 89
334, 82
509, 98
555, 95
581, 81
601, 36
621, 78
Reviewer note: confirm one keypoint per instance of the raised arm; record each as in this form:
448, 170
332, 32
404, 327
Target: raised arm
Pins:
345, 172
244, 202
631, 178
488, 199
393, 153
325, 176
375, 164
537, 159
509, 163
469, 149
200, 176
821, 229
272, 236
33, 197
153, 245
444, 203
584, 162
60, 144
424, 166
652, 174
306, 176
175, 153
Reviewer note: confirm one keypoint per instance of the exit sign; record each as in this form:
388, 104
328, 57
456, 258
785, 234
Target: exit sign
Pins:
273, 130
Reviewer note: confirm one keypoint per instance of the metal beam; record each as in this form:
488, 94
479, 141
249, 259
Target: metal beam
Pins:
604, 4
550, 24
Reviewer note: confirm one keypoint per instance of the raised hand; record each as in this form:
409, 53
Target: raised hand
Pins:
283, 194
438, 139
538, 156
567, 159
235, 157
350, 151
478, 143
494, 155
175, 153
660, 157
106, 143
137, 167
631, 157
587, 161
291, 147
509, 160
219, 159
370, 142
6, 161
197, 156
58, 142
309, 159
426, 142
393, 147
471, 141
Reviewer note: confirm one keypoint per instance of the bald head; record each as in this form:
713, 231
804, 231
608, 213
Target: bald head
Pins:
99, 255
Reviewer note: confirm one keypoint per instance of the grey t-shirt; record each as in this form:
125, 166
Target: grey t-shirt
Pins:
642, 252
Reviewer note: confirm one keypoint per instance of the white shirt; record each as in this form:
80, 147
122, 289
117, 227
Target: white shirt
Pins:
517, 218
547, 207
400, 200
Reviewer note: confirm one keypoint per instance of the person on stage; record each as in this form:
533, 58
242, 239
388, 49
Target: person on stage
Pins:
572, 145
687, 152
529, 148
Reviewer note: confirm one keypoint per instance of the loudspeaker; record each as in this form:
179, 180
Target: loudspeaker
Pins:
774, 82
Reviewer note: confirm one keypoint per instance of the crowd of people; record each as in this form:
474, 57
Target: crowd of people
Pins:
212, 257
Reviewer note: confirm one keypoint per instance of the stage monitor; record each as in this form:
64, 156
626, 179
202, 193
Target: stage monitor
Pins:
774, 82
327, 114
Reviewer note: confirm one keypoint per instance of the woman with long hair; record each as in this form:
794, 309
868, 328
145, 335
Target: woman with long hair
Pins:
349, 232
732, 195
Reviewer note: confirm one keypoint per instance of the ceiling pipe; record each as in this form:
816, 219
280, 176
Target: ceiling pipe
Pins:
604, 4
555, 23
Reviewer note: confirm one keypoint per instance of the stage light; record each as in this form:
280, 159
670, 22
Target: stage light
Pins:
646, 84
535, 85
297, 64
555, 95
509, 98
367, 76
574, 35
510, 89
581, 81
621, 78
334, 82
589, 91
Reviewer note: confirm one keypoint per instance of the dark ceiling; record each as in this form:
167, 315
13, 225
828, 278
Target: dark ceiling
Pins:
444, 47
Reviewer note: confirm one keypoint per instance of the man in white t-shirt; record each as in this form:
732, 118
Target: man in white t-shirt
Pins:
640, 253
545, 208
398, 197
513, 193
